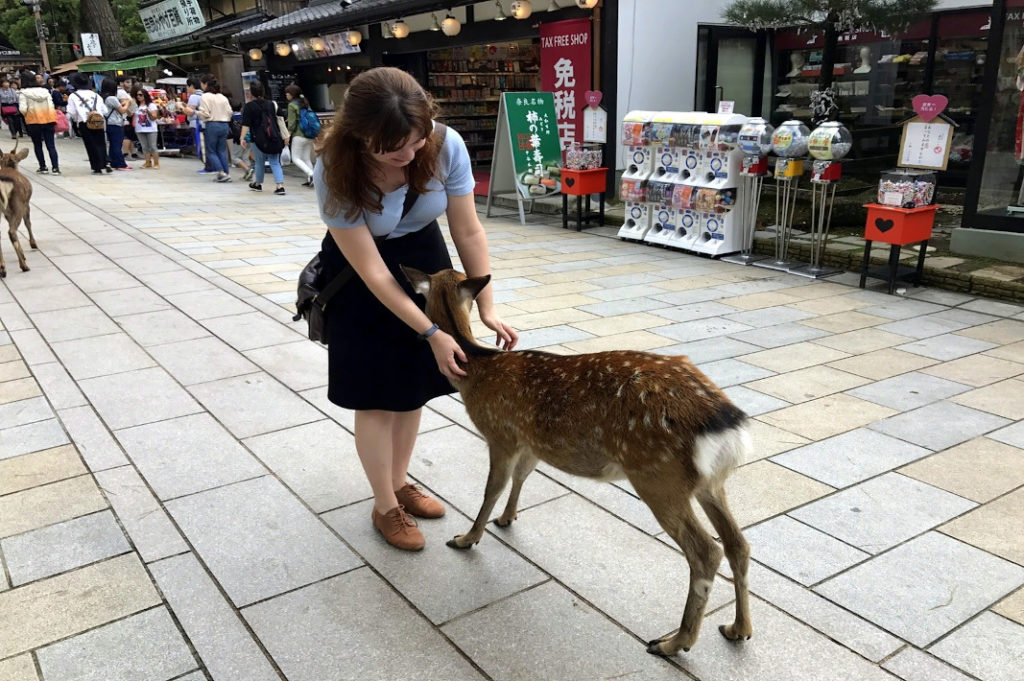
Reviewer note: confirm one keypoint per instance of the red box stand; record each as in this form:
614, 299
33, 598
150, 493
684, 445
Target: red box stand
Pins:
583, 183
897, 227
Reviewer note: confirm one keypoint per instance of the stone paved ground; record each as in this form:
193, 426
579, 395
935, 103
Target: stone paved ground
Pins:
179, 501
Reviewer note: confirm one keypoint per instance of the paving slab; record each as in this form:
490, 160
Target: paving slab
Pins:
337, 641
924, 588
188, 454
138, 397
143, 519
39, 468
56, 384
475, 578
911, 664
253, 404
947, 346
58, 548
79, 322
101, 356
317, 461
993, 526
1012, 607
852, 457
161, 326
807, 384
92, 438
300, 366
24, 412
258, 540
214, 628
552, 623
52, 609
19, 668
143, 647
990, 647
939, 425
799, 551
48, 504
908, 391
980, 469
201, 360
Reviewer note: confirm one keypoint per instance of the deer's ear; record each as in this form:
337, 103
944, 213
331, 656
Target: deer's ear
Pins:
419, 280
23, 154
469, 289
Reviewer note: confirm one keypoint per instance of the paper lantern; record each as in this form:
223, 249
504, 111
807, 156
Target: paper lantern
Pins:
521, 9
450, 26
586, 4
282, 49
256, 54
354, 37
317, 44
400, 29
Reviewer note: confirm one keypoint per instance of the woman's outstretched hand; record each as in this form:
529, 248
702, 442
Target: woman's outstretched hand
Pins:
507, 337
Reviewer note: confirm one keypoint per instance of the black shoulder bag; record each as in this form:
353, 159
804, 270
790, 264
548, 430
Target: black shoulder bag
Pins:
311, 303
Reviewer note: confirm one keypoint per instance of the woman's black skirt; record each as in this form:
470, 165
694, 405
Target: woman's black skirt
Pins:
375, 361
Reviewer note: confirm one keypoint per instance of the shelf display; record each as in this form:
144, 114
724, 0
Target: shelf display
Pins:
466, 83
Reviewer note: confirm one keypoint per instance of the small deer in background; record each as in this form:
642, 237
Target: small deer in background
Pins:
654, 420
15, 195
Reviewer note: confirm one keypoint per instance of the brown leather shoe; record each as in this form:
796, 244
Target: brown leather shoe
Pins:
418, 503
398, 529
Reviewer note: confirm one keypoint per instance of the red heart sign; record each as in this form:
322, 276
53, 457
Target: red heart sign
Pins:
592, 97
929, 106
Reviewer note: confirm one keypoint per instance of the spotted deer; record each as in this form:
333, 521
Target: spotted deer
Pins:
15, 194
654, 420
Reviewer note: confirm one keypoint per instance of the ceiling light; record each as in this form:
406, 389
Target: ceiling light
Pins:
553, 6
400, 29
354, 37
318, 44
450, 26
436, 26
521, 9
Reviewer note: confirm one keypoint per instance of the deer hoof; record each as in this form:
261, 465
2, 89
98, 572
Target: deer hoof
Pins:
499, 523
33, 244
24, 268
654, 648
3, 273
724, 631
454, 543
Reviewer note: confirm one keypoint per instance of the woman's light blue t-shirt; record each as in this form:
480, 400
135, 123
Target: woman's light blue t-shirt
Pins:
456, 180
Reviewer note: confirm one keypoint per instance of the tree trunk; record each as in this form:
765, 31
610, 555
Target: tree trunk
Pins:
98, 17
828, 53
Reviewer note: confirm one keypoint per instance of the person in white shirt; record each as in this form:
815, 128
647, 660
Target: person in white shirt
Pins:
144, 121
215, 113
82, 102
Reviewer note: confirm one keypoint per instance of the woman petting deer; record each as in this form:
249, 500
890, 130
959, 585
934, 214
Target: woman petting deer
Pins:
655, 420
385, 174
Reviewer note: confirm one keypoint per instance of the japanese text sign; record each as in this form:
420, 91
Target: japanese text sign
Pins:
91, 45
565, 67
533, 133
925, 145
171, 18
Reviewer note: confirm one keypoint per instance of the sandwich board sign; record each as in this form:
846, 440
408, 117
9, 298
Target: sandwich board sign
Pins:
527, 157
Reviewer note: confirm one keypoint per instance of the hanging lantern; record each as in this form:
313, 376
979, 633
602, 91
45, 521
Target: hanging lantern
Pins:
256, 54
400, 29
318, 44
521, 9
354, 37
450, 26
282, 49
586, 4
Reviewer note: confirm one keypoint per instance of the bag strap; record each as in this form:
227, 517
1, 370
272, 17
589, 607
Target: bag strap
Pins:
348, 272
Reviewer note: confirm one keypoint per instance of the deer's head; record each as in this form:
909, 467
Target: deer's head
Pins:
12, 158
449, 295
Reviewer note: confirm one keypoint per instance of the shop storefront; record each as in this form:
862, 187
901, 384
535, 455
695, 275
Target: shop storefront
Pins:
465, 54
995, 189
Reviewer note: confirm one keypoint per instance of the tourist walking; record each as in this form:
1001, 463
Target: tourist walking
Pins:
215, 113
9, 108
88, 113
259, 122
145, 125
36, 106
115, 123
302, 143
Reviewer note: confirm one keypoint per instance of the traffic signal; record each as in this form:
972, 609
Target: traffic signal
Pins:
77, 49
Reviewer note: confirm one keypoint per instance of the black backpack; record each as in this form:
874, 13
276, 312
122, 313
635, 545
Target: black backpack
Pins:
266, 135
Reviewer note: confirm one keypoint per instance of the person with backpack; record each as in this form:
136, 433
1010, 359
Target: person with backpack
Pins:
259, 117
215, 113
303, 126
115, 123
88, 114
36, 107
237, 152
146, 128
385, 174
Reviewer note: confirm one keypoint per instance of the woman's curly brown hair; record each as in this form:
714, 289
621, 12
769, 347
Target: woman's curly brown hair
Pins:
384, 109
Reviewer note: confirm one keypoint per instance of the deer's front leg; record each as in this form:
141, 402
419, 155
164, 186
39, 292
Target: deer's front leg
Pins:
497, 478
524, 466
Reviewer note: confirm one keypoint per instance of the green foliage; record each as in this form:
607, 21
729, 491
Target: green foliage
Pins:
62, 17
847, 15
127, 14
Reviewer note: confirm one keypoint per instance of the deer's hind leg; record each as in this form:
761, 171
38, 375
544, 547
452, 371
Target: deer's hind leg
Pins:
524, 466
28, 226
668, 492
12, 231
502, 461
737, 551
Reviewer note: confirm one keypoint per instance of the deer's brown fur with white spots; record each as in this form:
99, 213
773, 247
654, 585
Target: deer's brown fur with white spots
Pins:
15, 195
655, 420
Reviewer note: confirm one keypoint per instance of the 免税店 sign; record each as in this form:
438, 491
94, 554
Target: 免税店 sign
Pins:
565, 63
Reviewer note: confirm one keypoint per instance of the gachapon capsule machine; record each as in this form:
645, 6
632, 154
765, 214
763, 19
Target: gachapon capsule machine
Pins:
663, 213
636, 142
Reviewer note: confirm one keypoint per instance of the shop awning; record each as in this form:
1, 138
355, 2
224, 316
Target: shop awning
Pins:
146, 62
213, 33
71, 66
322, 15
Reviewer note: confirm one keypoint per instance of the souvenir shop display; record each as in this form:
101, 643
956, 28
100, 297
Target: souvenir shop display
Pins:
636, 137
755, 141
906, 188
789, 142
828, 144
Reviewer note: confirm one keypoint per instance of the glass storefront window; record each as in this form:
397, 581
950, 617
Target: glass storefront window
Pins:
1001, 193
